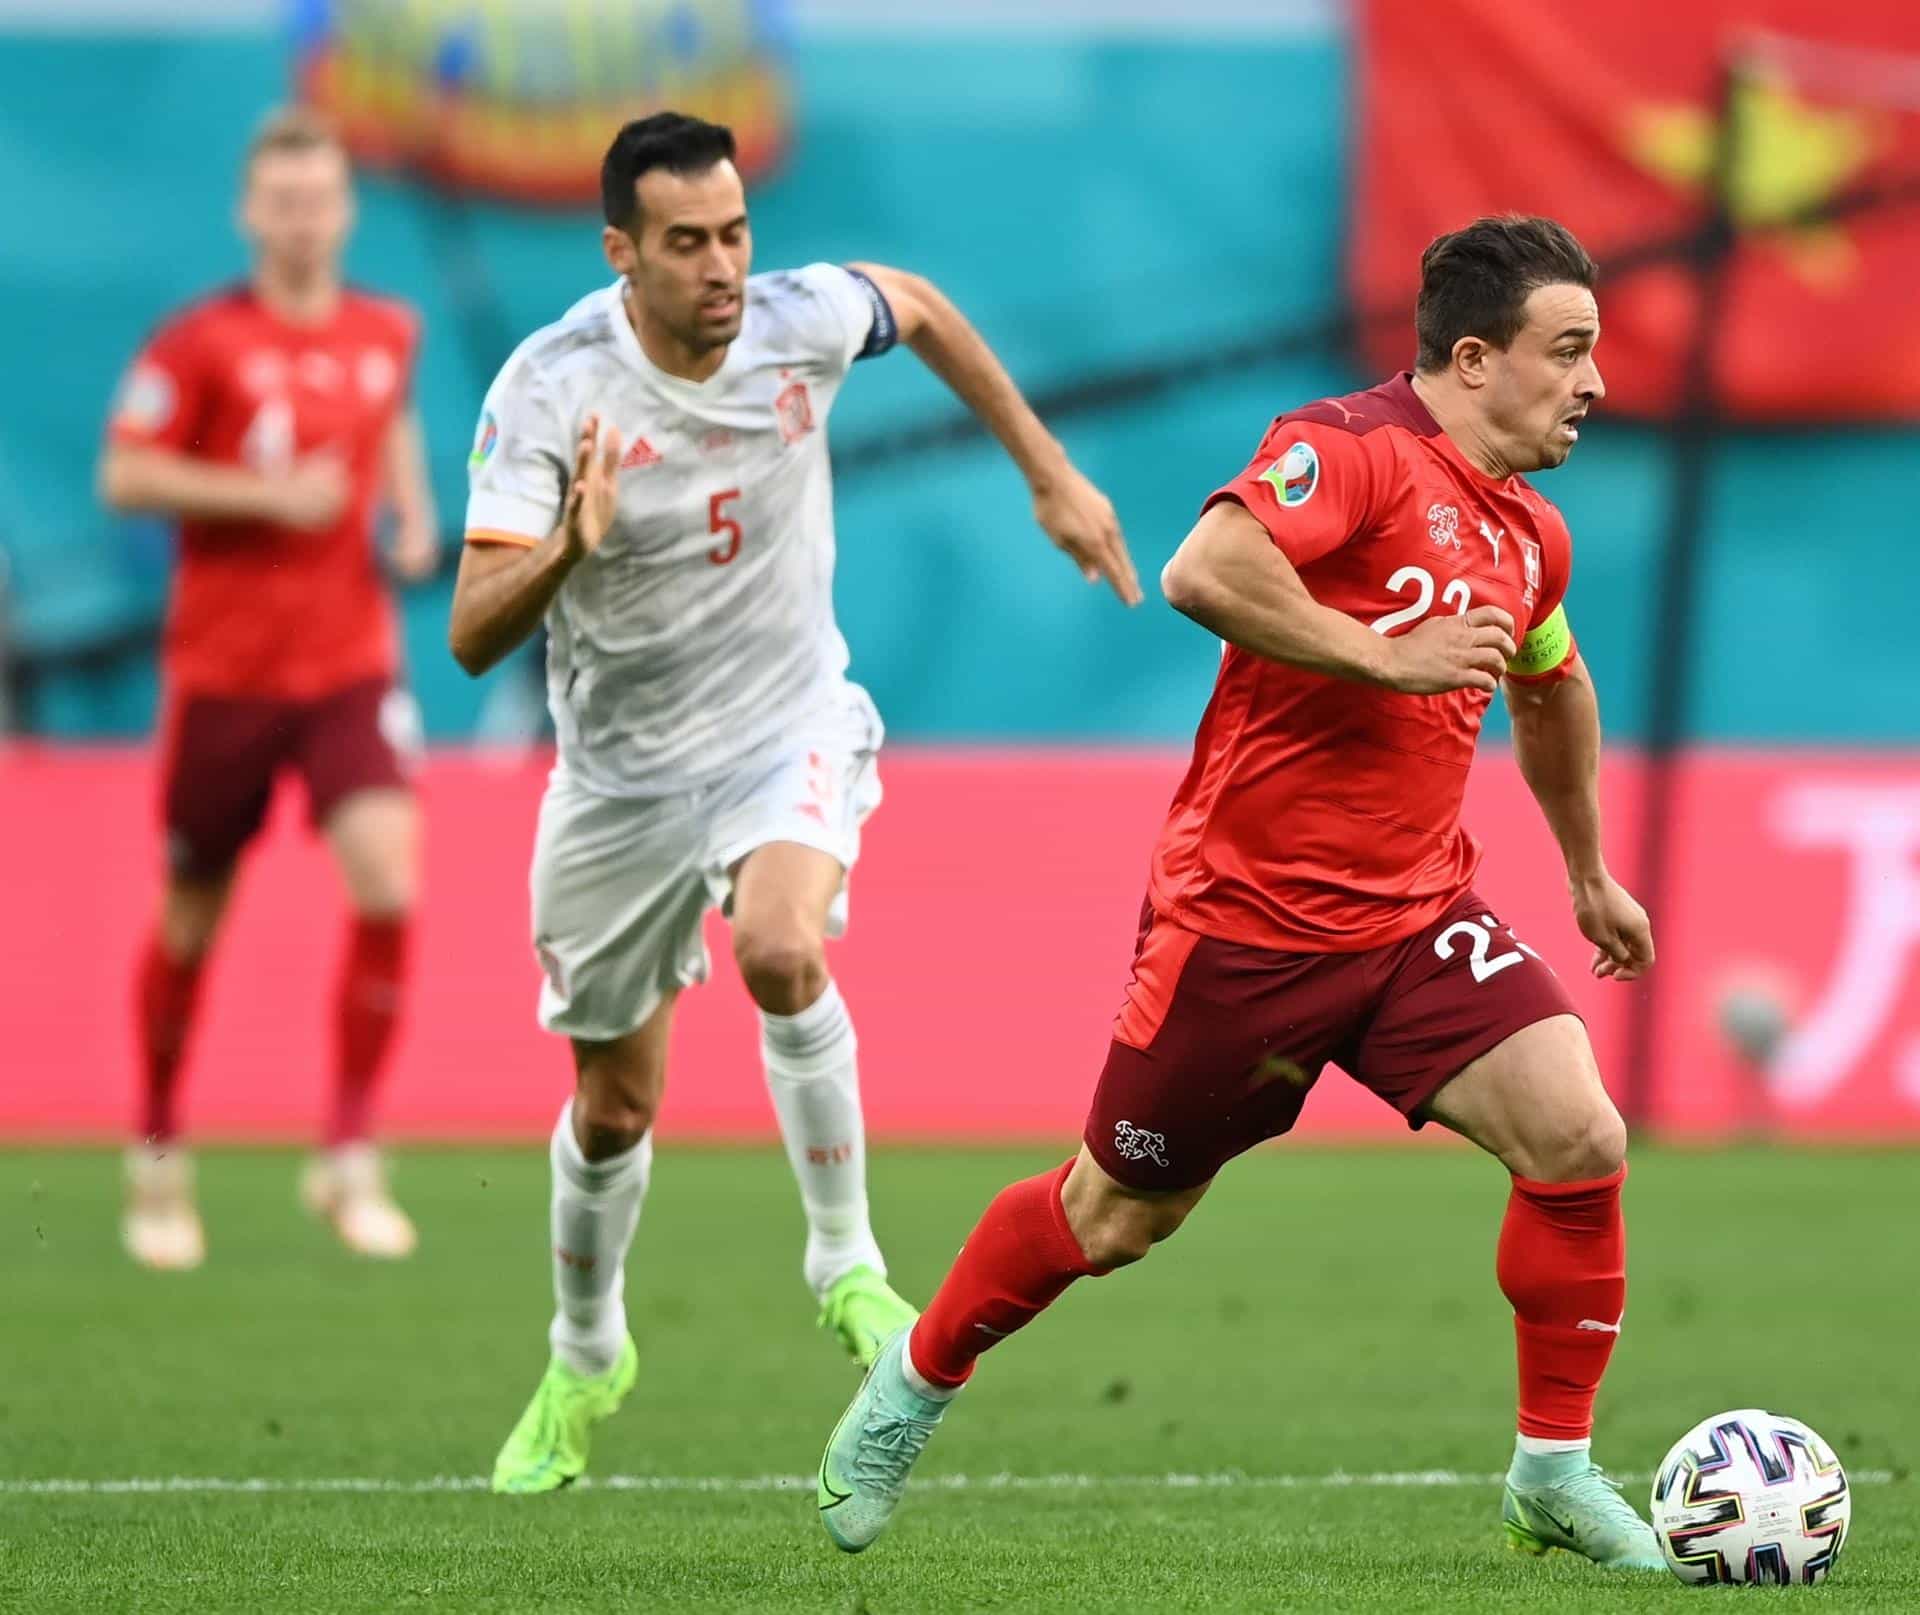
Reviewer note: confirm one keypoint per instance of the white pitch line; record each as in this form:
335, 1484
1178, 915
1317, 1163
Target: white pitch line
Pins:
1226, 1480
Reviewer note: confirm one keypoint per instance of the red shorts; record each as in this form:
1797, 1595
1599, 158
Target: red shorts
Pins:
1218, 1042
222, 755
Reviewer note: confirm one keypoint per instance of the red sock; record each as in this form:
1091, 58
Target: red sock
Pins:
367, 1013
165, 992
1018, 1259
1563, 1265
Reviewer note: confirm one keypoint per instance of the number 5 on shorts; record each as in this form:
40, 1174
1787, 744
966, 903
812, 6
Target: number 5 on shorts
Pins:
1479, 961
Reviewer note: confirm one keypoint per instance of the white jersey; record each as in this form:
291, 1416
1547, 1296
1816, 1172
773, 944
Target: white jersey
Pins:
703, 625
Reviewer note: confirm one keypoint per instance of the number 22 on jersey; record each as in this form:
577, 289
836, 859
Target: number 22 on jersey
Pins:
1420, 580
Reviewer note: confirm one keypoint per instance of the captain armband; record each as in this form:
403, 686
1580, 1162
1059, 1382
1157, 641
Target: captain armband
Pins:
1545, 648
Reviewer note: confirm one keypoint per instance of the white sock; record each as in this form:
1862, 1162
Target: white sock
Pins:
1539, 1447
918, 1382
596, 1206
814, 1079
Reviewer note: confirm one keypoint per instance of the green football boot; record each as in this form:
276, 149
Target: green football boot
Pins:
873, 1449
1584, 1514
548, 1447
861, 1311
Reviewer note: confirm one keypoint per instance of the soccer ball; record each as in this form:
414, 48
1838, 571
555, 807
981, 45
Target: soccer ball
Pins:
1751, 1496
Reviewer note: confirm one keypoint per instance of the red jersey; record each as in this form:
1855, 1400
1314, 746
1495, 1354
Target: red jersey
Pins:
259, 609
1321, 815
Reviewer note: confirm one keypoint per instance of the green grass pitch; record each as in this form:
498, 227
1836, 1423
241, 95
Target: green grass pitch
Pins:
1162, 1441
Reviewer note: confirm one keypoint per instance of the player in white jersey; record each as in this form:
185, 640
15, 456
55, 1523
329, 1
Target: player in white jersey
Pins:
651, 478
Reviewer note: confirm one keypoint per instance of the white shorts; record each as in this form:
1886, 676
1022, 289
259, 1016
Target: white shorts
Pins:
622, 886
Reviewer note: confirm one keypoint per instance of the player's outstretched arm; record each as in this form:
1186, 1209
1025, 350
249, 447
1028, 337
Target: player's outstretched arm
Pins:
1230, 577
1072, 512
503, 590
309, 495
1556, 741
416, 540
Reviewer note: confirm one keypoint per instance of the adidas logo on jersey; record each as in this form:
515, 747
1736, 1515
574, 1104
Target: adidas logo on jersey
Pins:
640, 454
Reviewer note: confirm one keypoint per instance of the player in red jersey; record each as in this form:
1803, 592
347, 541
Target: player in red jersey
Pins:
1376, 572
270, 420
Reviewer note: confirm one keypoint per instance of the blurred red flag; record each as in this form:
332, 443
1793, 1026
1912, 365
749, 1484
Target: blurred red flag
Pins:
1606, 118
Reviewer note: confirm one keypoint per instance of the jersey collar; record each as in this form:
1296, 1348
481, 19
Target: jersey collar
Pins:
627, 340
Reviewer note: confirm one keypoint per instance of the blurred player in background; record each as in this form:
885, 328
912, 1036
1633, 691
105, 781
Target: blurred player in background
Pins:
651, 477
1376, 572
269, 419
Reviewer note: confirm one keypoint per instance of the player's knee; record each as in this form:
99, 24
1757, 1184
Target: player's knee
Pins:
190, 919
1605, 1146
784, 968
1590, 1145
186, 939
386, 898
385, 886
1123, 1230
610, 1122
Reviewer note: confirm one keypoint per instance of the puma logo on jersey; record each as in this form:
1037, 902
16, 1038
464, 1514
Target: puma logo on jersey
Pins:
1493, 540
640, 454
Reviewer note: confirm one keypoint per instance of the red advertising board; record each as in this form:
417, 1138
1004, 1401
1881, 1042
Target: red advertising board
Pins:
993, 915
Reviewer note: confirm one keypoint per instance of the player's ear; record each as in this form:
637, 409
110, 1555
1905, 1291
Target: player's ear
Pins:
1470, 361
622, 256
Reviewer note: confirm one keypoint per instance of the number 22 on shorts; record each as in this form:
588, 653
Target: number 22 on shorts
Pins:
1479, 961
719, 522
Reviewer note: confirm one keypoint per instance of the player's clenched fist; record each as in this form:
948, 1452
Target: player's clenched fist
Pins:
1467, 652
594, 492
1616, 925
1080, 519
314, 494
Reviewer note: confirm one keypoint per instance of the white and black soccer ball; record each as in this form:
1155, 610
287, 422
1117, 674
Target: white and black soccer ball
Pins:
1751, 1496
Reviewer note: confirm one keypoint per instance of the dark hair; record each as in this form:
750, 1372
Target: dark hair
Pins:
1476, 281
669, 140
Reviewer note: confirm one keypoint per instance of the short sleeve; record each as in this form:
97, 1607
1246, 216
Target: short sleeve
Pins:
1313, 487
838, 314
163, 396
521, 459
